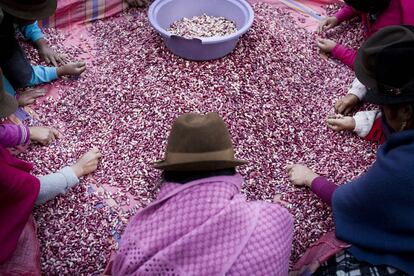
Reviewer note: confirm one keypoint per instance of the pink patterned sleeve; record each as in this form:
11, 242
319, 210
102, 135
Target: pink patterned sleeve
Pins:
324, 189
13, 135
346, 55
345, 13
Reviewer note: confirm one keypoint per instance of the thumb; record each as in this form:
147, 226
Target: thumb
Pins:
289, 167
332, 122
55, 133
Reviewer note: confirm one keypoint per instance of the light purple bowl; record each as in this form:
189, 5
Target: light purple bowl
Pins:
162, 13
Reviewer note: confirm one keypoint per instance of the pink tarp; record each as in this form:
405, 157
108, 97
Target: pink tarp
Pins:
73, 15
72, 12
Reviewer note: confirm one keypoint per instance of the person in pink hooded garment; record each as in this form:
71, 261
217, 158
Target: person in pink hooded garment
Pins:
200, 223
375, 14
20, 191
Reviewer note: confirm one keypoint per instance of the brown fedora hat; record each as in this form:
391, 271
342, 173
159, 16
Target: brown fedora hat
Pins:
29, 9
199, 143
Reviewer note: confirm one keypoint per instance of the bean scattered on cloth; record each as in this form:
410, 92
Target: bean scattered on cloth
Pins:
202, 26
274, 92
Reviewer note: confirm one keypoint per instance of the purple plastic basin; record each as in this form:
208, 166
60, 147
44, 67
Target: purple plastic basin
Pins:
162, 13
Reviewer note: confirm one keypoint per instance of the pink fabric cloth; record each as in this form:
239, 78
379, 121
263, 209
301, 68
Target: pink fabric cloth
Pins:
399, 12
345, 13
318, 253
206, 227
26, 258
18, 193
13, 135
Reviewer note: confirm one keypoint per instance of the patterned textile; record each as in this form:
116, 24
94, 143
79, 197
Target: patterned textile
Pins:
206, 227
25, 260
70, 12
344, 264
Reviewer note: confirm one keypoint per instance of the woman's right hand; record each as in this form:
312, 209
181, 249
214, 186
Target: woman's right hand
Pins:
300, 175
88, 163
339, 122
43, 135
327, 23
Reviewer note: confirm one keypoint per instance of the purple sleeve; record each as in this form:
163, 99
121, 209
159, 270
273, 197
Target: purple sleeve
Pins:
13, 135
324, 189
344, 54
345, 13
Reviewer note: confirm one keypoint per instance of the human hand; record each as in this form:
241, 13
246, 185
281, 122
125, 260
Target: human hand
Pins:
327, 23
88, 163
50, 56
137, 3
29, 96
326, 45
339, 122
345, 104
43, 135
300, 175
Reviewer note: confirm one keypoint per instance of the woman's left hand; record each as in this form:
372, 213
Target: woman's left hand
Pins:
326, 45
47, 54
300, 175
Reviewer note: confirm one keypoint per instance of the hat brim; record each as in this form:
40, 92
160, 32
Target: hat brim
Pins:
199, 166
43, 12
375, 97
365, 77
8, 105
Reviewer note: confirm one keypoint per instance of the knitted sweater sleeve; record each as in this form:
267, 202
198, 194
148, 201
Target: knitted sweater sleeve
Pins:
324, 189
346, 55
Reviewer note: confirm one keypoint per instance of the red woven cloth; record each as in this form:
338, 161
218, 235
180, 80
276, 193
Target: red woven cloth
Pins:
18, 193
26, 257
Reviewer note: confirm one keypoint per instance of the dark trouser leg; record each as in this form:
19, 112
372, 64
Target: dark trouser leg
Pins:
14, 64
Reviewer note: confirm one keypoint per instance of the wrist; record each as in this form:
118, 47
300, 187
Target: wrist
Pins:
77, 170
41, 44
310, 179
32, 133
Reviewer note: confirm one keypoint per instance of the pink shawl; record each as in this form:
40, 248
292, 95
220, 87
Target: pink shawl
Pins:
18, 193
206, 227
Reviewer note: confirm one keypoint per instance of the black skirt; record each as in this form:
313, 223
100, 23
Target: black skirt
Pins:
344, 264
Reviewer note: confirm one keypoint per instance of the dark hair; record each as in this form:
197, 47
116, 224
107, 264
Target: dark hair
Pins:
183, 177
369, 6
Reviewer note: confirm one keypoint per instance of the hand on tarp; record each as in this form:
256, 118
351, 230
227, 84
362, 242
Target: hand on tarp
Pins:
88, 163
49, 55
327, 23
326, 45
43, 135
29, 96
345, 104
339, 122
300, 175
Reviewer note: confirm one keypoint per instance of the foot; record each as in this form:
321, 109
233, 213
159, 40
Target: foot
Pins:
43, 135
339, 122
29, 96
87, 164
71, 69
